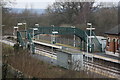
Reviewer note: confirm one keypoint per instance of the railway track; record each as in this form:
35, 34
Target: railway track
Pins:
93, 66
46, 51
106, 70
102, 69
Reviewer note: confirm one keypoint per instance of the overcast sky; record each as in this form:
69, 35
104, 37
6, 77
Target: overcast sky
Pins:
41, 4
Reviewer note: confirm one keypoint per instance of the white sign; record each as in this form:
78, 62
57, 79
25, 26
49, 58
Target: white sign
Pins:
91, 36
24, 23
36, 24
90, 28
89, 24
15, 27
19, 24
54, 32
35, 28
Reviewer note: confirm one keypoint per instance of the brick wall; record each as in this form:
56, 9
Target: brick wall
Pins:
113, 43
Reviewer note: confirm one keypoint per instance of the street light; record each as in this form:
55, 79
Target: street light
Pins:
19, 24
90, 37
34, 29
74, 35
53, 39
15, 27
37, 25
38, 36
25, 26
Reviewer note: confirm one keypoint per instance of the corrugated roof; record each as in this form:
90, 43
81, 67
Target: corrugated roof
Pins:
114, 31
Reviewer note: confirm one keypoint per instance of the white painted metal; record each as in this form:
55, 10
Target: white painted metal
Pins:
19, 24
15, 27
55, 32
90, 28
47, 44
35, 29
89, 24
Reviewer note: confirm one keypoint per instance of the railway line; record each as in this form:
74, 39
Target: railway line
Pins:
92, 66
105, 70
97, 67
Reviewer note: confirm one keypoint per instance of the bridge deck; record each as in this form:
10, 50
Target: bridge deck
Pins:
70, 48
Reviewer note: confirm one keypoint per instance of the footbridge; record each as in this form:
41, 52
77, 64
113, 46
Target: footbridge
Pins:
25, 38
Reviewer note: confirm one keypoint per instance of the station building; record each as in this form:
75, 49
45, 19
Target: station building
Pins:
113, 41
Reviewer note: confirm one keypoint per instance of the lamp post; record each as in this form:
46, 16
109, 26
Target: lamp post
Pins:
25, 29
90, 37
14, 28
74, 35
53, 39
34, 29
25, 26
37, 25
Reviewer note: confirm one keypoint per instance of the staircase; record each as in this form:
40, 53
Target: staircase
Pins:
20, 39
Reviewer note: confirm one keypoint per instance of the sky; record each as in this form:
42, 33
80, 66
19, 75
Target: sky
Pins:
41, 4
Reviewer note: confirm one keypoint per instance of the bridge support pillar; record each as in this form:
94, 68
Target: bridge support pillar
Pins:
84, 46
81, 45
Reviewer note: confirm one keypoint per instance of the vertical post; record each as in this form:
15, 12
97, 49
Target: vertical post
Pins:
90, 36
90, 39
84, 46
13, 31
0, 39
74, 39
81, 44
33, 33
87, 43
87, 52
37, 25
74, 44
25, 24
52, 42
38, 36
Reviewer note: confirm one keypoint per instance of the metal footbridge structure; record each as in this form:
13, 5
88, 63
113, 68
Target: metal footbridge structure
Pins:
25, 38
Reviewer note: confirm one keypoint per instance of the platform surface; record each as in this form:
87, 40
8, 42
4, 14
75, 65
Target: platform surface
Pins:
76, 50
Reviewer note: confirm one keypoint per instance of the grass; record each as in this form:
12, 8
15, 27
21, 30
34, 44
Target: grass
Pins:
7, 49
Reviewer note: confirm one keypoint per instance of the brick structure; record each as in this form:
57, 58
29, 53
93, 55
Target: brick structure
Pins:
113, 41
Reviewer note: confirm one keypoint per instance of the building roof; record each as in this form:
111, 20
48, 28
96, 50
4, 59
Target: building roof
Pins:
114, 31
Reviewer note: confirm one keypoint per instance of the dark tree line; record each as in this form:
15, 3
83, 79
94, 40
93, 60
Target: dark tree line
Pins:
66, 14
103, 17
70, 12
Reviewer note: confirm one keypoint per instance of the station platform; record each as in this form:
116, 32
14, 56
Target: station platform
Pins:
102, 56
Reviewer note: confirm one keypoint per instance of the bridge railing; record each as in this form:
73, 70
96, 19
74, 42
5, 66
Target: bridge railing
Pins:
95, 40
61, 31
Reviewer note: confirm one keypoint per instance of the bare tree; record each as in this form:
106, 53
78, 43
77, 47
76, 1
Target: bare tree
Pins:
71, 12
